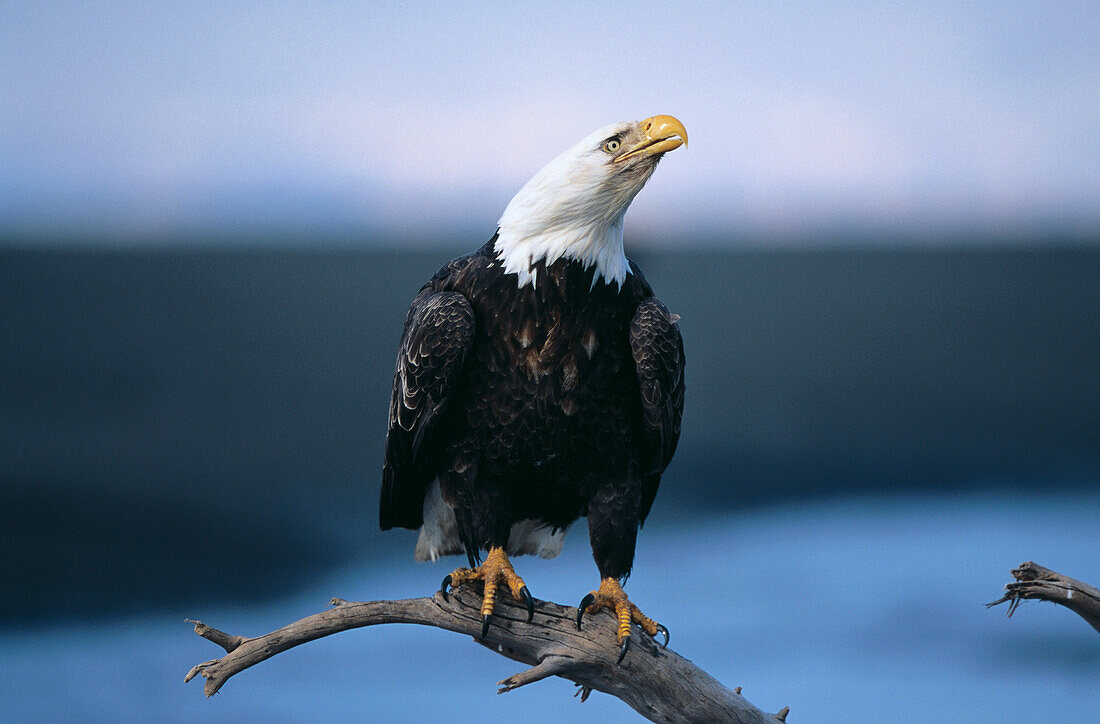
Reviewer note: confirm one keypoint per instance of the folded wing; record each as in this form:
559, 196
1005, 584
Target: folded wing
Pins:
439, 332
659, 360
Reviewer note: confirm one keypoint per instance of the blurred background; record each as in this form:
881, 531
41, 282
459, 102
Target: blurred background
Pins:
884, 242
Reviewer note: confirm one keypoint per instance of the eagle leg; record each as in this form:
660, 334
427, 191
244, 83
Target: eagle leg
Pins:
495, 570
610, 595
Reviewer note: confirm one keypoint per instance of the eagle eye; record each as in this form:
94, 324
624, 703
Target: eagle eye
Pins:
612, 144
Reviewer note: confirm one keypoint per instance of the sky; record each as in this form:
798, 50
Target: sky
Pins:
186, 121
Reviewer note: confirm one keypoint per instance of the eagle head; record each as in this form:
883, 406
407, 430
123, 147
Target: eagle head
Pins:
574, 206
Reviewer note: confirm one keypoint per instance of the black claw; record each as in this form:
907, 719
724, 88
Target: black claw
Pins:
485, 625
661, 629
623, 648
529, 601
587, 601
443, 587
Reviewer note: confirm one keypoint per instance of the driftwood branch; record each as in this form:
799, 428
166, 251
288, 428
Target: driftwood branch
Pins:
1035, 582
659, 684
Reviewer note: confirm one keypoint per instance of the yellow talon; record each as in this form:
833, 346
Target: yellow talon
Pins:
610, 595
496, 569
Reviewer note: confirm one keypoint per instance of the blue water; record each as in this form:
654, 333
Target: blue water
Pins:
852, 610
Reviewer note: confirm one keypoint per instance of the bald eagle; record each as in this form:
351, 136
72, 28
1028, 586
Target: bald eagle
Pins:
539, 380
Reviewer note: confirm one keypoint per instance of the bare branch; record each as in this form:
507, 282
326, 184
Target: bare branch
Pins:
550, 666
1036, 582
221, 638
658, 683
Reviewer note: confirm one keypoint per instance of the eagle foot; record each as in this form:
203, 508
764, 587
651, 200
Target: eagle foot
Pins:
495, 570
611, 596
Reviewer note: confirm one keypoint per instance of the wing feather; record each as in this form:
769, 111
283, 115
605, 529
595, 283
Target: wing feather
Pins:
658, 353
439, 332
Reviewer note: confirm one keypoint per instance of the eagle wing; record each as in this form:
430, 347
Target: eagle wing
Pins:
659, 361
439, 332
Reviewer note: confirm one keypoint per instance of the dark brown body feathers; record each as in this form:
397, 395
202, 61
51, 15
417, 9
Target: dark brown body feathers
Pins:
547, 402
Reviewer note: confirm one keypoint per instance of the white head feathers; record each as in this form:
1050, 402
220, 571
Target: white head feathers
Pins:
574, 206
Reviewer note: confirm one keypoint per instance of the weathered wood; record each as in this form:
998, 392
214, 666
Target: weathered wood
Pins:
1036, 582
658, 683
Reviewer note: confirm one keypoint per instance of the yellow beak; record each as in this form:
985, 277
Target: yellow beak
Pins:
660, 137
